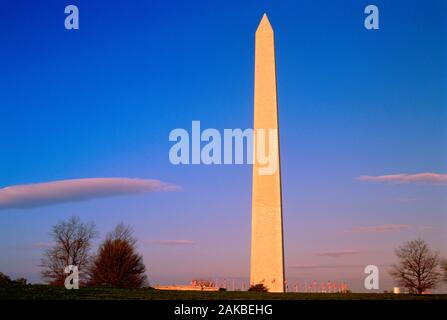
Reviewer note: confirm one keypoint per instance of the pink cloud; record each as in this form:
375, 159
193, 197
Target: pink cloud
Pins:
337, 254
317, 266
323, 266
428, 177
172, 242
382, 228
42, 194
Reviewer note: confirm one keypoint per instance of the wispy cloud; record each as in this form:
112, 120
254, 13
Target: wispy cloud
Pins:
337, 254
317, 266
410, 199
382, 228
428, 177
172, 242
428, 227
42, 194
323, 266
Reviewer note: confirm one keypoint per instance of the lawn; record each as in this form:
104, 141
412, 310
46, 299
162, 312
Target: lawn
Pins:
44, 292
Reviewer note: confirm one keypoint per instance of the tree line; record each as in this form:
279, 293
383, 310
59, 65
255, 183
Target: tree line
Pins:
418, 268
116, 263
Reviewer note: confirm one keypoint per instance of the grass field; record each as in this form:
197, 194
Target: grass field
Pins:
43, 292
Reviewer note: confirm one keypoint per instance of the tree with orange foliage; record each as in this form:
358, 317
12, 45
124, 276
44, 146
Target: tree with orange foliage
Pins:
117, 264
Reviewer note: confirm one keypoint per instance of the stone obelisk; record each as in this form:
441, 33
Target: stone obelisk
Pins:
267, 250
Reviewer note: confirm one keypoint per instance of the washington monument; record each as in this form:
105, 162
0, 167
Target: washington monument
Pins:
267, 252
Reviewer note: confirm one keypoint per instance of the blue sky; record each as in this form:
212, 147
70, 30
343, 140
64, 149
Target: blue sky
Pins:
100, 102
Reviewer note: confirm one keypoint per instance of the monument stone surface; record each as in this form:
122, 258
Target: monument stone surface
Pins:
267, 250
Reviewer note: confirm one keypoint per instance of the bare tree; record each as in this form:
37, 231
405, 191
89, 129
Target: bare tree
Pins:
72, 243
444, 269
417, 269
117, 264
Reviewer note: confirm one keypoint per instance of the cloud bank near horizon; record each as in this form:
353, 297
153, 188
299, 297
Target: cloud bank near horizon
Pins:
323, 266
172, 242
337, 254
61, 191
382, 228
427, 177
